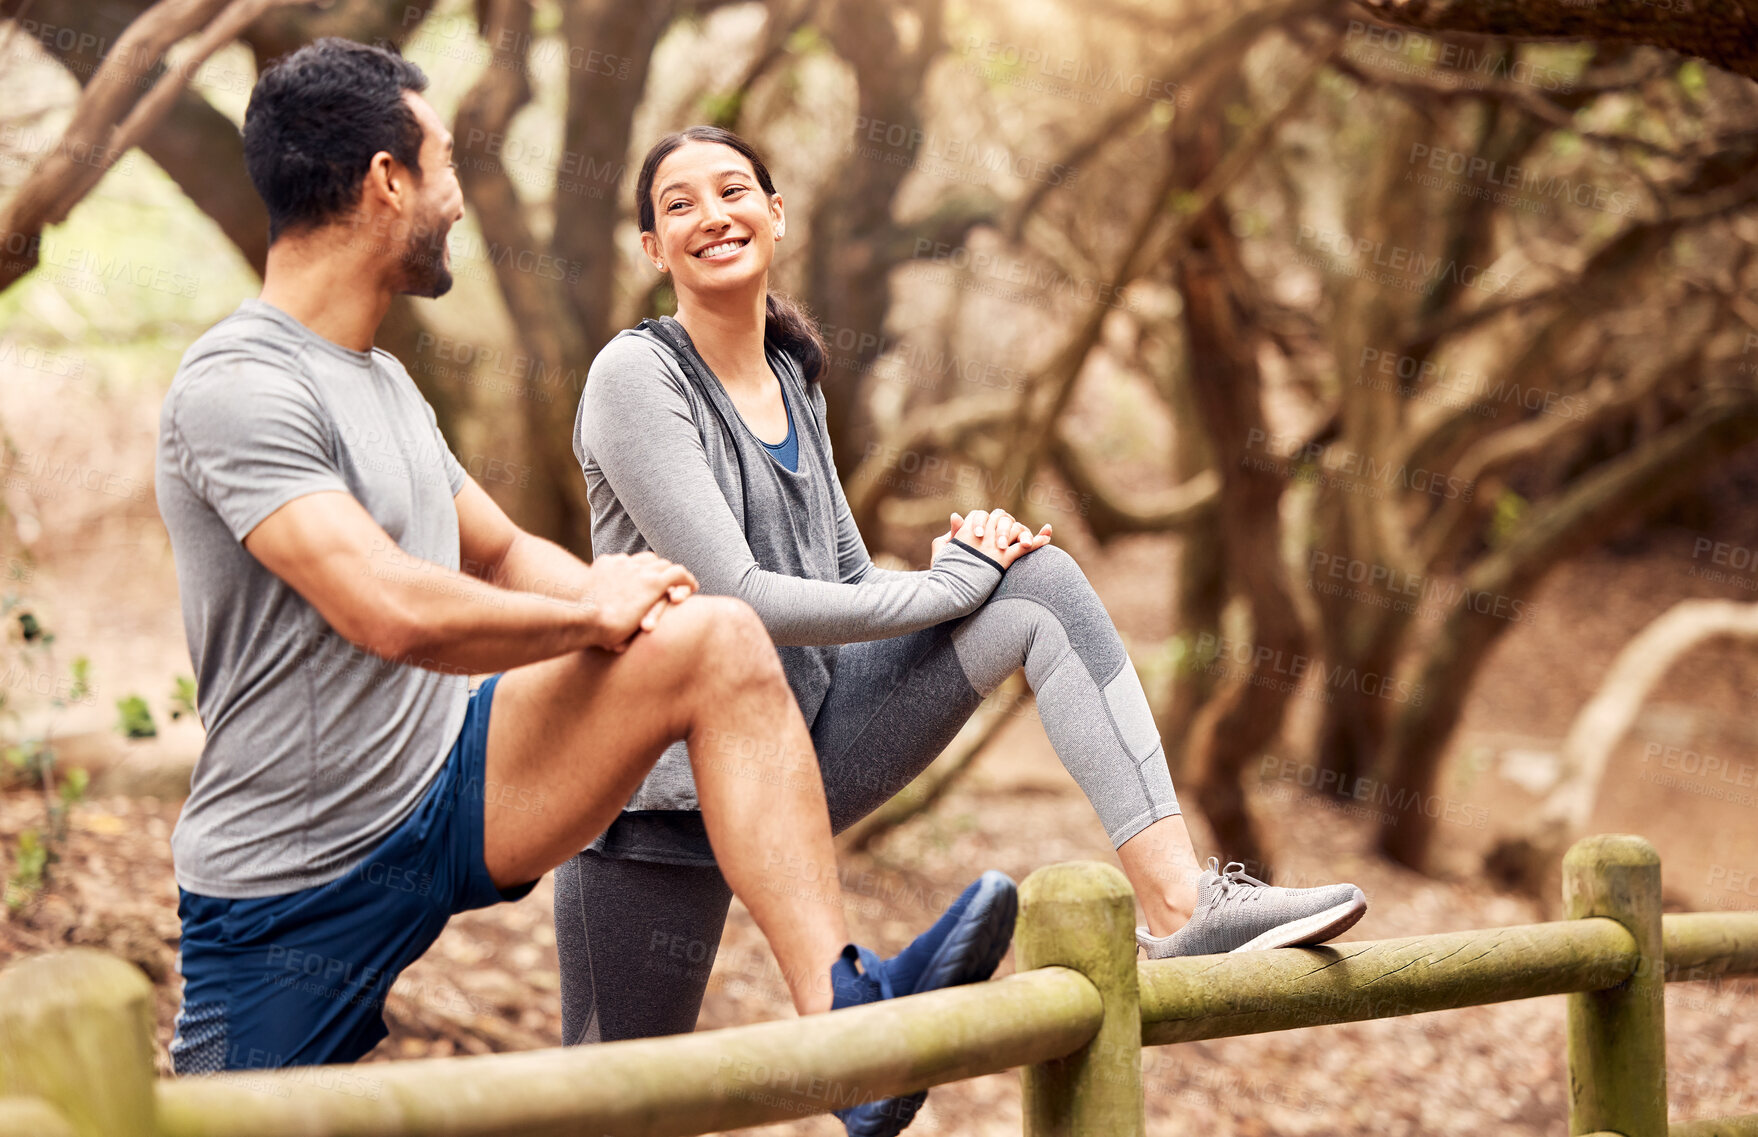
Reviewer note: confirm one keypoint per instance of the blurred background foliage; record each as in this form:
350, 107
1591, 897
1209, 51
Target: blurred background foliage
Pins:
1383, 323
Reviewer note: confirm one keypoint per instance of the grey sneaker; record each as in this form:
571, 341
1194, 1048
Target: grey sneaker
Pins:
1236, 912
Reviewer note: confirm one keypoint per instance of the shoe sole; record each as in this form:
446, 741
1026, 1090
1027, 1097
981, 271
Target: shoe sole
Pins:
1313, 929
973, 949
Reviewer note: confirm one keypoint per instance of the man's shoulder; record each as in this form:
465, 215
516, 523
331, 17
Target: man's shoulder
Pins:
246, 369
243, 340
248, 329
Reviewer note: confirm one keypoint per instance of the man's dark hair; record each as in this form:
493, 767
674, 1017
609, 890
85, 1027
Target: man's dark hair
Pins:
316, 118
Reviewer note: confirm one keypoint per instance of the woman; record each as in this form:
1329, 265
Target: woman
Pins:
702, 437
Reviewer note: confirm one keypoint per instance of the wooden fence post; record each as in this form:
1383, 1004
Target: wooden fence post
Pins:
1081, 915
76, 1030
1617, 1037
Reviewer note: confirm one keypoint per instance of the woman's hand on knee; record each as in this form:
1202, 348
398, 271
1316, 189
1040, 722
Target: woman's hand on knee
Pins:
997, 533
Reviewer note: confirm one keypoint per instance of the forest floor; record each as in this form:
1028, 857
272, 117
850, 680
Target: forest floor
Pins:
101, 571
490, 982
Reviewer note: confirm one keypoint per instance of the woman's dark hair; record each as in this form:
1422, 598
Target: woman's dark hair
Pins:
316, 118
787, 324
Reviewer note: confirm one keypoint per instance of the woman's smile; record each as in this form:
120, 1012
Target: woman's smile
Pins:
723, 250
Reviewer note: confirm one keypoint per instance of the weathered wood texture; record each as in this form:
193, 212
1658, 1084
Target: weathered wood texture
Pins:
1082, 916
32, 1117
1709, 945
1617, 1036
662, 1087
76, 1031
1746, 1126
1218, 996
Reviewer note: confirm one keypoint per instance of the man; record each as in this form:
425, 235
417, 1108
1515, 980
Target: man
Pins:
353, 793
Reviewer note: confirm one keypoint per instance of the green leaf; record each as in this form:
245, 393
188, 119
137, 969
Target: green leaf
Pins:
74, 785
183, 697
1184, 201
135, 718
546, 19
807, 40
32, 857
722, 108
82, 680
1510, 510
1692, 79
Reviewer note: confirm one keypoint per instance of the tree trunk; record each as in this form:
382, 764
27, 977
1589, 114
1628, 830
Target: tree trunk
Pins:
1226, 388
596, 139
854, 239
1627, 487
1199, 584
1247, 716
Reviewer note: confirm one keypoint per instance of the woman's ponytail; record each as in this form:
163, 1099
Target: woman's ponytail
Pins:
790, 328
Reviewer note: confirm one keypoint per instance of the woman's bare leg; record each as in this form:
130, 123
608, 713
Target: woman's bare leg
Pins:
1160, 863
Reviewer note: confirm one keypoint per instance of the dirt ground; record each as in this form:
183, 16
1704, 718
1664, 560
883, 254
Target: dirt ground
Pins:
490, 982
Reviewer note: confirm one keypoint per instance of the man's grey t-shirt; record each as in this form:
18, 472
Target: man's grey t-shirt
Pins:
315, 749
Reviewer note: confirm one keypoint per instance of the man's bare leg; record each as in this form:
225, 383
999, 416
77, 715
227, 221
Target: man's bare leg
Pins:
584, 729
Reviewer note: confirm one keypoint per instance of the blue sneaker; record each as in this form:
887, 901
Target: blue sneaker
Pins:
964, 946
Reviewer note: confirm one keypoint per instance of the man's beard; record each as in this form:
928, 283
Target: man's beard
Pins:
424, 262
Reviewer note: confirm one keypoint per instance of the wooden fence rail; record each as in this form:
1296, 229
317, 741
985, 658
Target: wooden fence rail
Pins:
76, 1030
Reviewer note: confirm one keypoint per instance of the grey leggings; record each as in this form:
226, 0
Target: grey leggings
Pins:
637, 938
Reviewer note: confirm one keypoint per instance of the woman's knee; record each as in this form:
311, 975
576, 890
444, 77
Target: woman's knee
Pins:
1060, 591
1044, 573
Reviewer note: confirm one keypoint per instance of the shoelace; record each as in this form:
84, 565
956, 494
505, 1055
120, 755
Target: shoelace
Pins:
871, 967
1235, 883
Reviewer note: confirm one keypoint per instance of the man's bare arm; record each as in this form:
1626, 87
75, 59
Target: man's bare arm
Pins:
498, 551
397, 606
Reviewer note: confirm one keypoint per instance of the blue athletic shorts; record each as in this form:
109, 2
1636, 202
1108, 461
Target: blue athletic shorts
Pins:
300, 979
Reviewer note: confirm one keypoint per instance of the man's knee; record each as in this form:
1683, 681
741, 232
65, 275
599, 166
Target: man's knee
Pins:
720, 634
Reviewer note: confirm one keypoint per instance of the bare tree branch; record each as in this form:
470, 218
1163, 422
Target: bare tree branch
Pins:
1047, 394
926, 430
1631, 485
107, 121
785, 17
1608, 716
1111, 512
1608, 278
1723, 32
1463, 88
